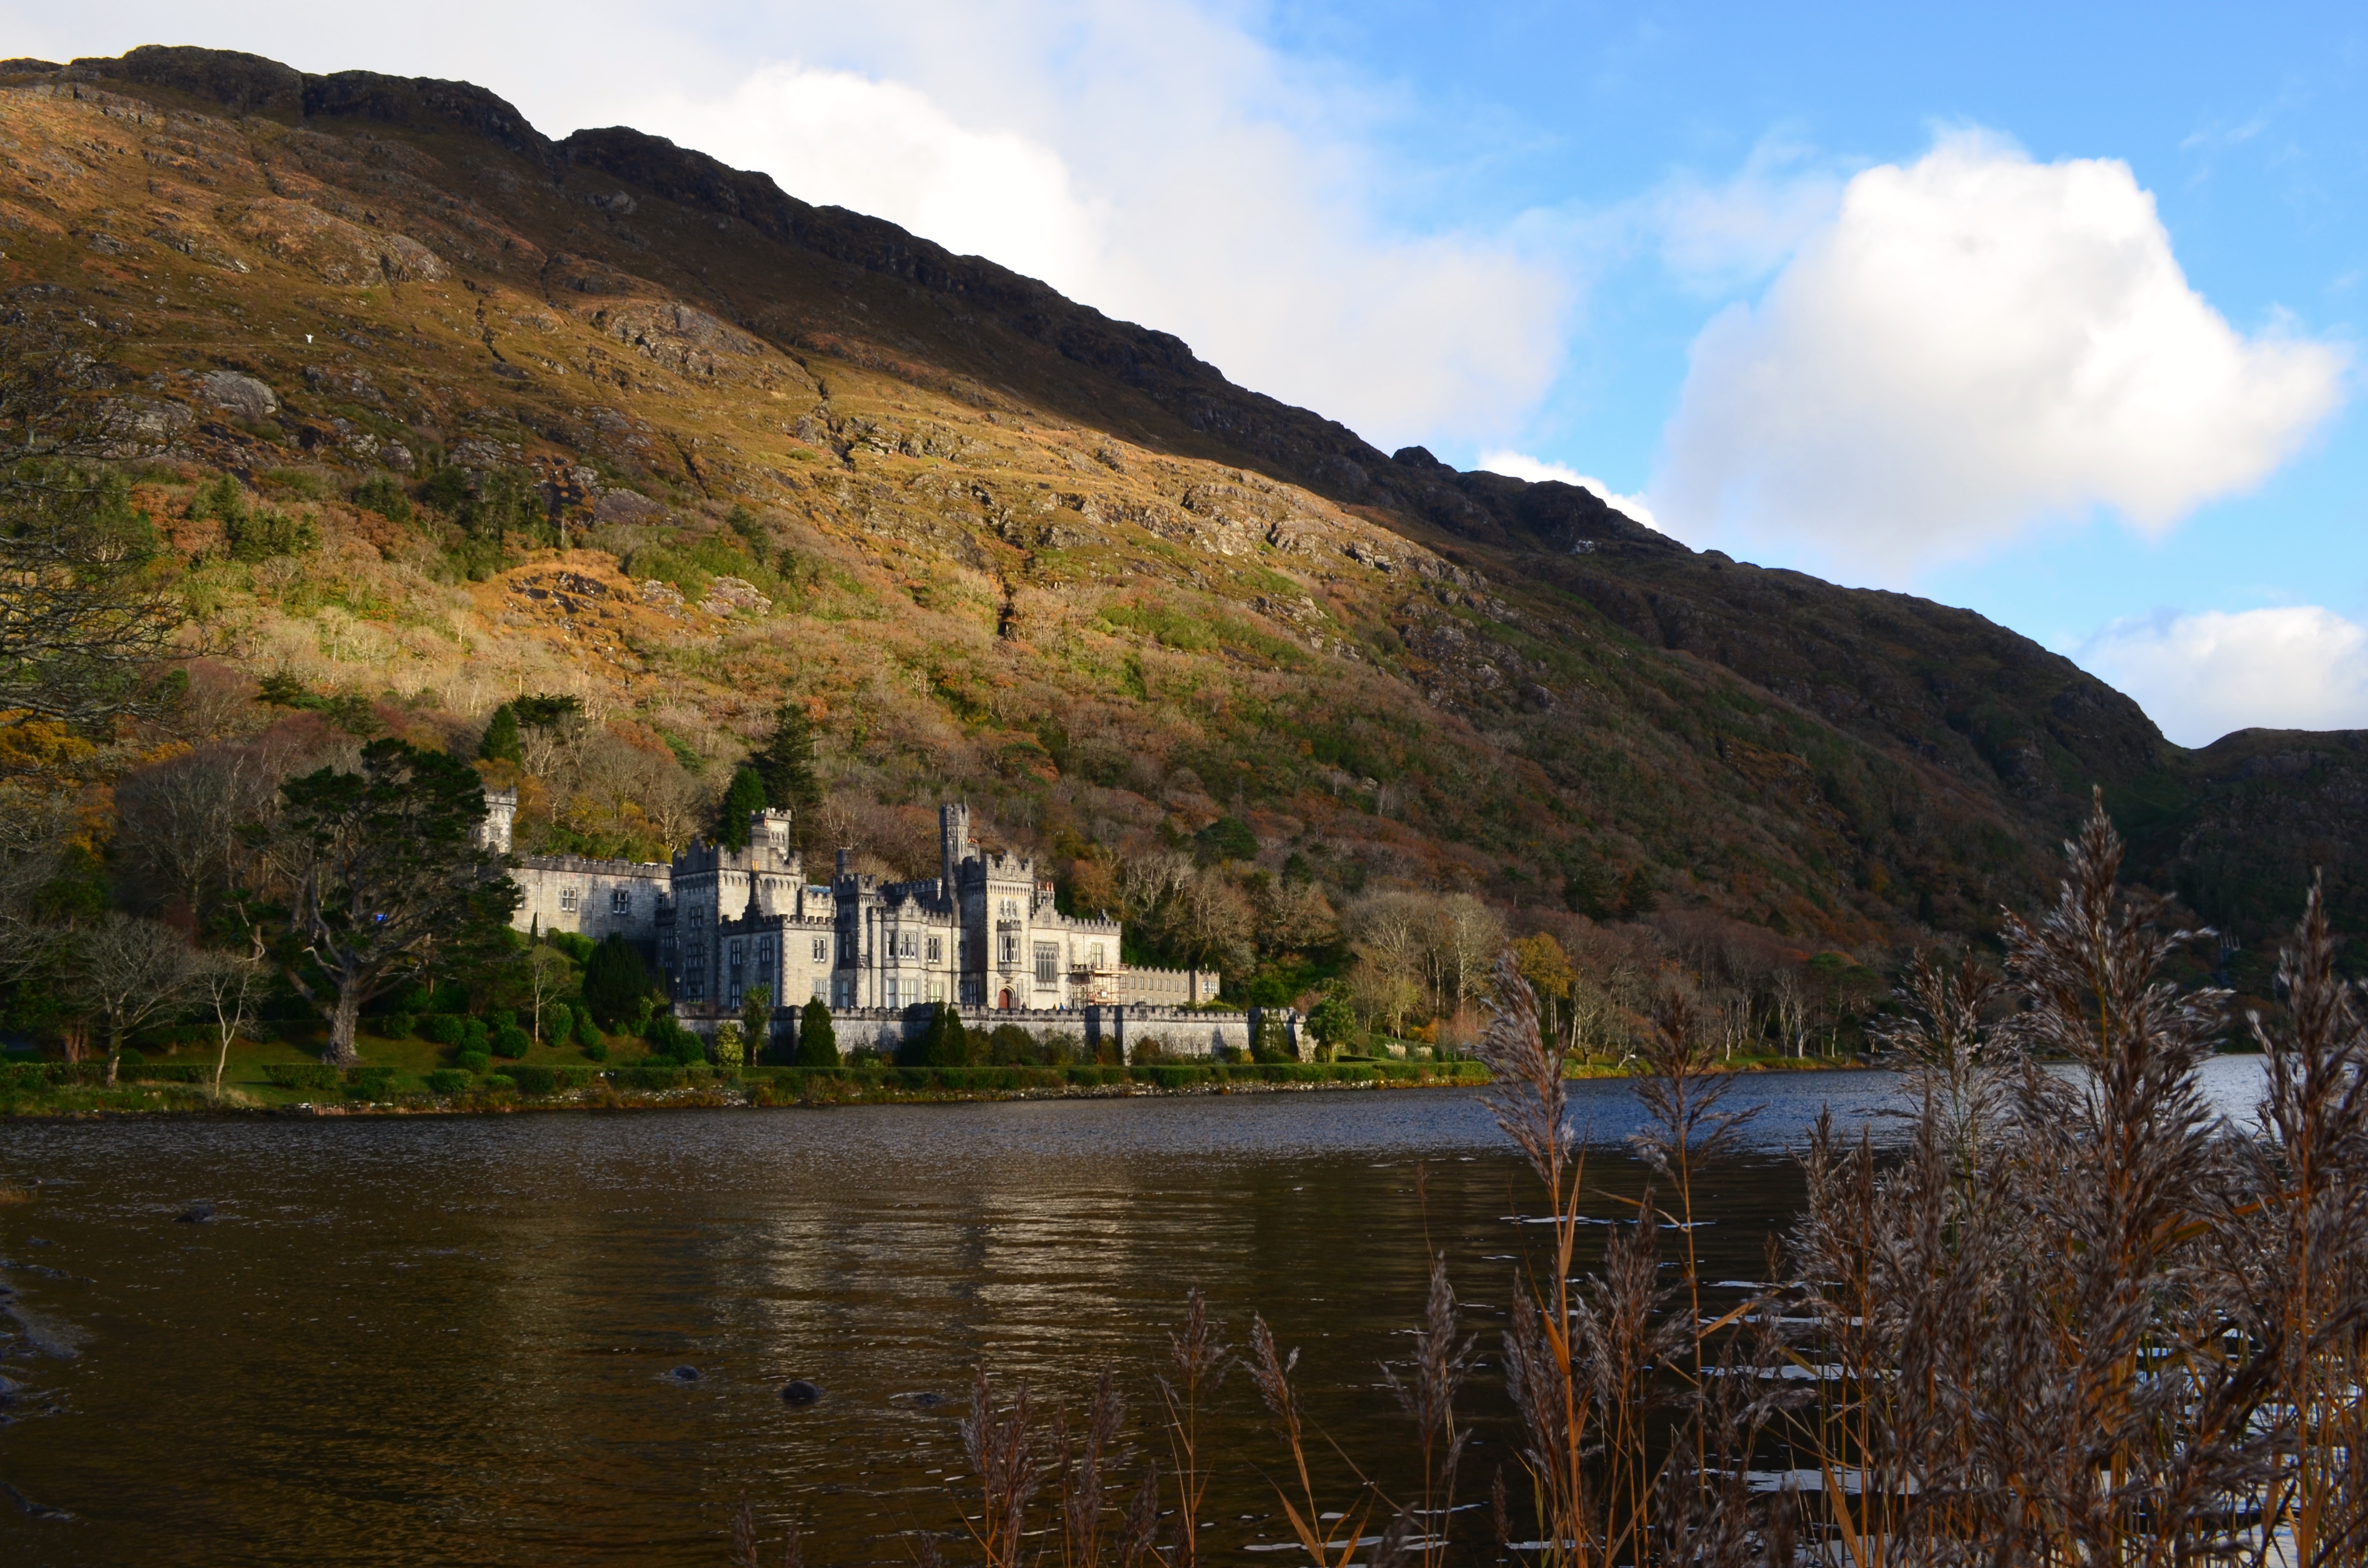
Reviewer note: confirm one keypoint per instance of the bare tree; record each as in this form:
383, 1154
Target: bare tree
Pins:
228, 982
1467, 938
131, 971
548, 977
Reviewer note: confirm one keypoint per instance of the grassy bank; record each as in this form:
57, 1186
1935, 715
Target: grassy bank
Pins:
411, 1076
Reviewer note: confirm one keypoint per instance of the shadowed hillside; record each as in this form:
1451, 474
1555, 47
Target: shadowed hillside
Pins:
602, 416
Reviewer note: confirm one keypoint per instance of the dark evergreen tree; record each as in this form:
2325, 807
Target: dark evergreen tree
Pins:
817, 1042
501, 742
786, 764
614, 981
747, 795
947, 1043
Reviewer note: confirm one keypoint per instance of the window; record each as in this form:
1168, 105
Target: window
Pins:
1094, 955
764, 960
1007, 950
893, 992
908, 943
621, 901
936, 991
1048, 963
567, 901
937, 949
818, 988
821, 952
1010, 909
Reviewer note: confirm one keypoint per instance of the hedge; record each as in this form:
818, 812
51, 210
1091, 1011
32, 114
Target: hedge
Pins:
447, 1081
302, 1075
532, 1080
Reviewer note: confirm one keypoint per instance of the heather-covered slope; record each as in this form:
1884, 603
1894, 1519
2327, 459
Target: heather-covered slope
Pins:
1000, 544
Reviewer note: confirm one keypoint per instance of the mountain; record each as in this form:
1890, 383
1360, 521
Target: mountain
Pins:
996, 541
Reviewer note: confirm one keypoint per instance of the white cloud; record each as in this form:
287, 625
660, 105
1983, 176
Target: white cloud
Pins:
1519, 465
1167, 172
2200, 676
837, 139
1976, 345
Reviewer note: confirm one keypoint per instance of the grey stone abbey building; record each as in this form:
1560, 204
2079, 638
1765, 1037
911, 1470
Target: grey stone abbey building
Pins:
983, 935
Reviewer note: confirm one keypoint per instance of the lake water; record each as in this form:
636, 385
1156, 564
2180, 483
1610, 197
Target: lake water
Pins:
453, 1340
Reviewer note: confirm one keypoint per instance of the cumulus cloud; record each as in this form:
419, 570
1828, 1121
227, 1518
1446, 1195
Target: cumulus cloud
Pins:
2200, 676
1519, 465
1976, 345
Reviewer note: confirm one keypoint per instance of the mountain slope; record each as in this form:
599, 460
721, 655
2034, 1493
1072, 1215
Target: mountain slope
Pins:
1013, 545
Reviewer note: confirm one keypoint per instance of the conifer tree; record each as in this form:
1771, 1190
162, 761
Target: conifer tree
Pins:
817, 1044
947, 1043
501, 742
786, 764
747, 795
613, 981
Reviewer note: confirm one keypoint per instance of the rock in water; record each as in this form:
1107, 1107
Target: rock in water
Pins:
685, 1374
197, 1213
800, 1391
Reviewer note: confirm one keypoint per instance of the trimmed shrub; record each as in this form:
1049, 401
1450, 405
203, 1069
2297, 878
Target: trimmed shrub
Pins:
444, 1028
447, 1081
817, 1042
587, 1032
369, 1082
499, 1084
597, 1051
472, 1034
397, 1026
729, 1049
472, 1062
648, 1075
300, 1075
511, 1041
167, 1072
532, 1080
1009, 1045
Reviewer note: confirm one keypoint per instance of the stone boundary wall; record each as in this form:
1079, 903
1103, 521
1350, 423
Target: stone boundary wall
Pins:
1185, 1035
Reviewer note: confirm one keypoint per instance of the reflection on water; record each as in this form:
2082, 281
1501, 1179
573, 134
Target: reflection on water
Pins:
456, 1340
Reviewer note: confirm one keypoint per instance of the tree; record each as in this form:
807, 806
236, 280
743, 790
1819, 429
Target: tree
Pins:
1332, 1021
947, 1043
87, 610
746, 797
131, 971
1549, 971
501, 739
227, 982
548, 977
388, 873
614, 981
731, 1050
757, 1019
817, 1042
785, 764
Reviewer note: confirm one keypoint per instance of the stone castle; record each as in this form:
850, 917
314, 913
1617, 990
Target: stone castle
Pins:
718, 923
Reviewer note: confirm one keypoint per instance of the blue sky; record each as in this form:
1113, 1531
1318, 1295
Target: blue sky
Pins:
2053, 314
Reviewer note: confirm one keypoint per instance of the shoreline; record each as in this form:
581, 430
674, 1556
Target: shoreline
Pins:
632, 1089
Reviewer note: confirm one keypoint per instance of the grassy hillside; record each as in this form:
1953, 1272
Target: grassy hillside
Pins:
604, 418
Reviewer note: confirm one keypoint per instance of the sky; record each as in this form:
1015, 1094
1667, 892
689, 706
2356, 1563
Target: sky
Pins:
2049, 312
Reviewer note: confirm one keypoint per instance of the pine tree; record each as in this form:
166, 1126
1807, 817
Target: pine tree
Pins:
747, 795
501, 742
786, 763
817, 1045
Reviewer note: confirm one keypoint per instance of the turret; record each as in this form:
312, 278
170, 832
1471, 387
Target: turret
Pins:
501, 811
953, 839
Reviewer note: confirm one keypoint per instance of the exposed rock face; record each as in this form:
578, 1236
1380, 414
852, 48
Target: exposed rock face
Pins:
240, 395
336, 251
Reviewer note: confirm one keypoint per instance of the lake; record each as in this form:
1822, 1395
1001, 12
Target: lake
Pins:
454, 1340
